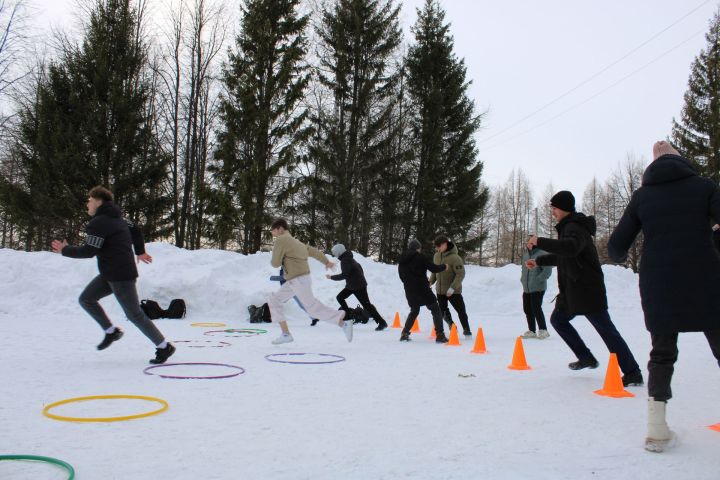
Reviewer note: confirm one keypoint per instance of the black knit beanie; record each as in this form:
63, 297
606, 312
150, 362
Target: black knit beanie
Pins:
414, 244
563, 200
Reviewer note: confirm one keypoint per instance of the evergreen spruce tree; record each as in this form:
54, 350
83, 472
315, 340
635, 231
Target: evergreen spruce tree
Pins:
449, 196
697, 133
87, 126
264, 121
357, 41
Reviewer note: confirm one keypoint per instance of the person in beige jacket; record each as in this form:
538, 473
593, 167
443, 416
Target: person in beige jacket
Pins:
292, 255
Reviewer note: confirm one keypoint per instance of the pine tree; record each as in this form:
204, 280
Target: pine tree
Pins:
697, 133
351, 150
264, 121
448, 197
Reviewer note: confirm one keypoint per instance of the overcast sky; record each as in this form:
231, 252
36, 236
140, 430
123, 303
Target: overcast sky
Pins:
522, 55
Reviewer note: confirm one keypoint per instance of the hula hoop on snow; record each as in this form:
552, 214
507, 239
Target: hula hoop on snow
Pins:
218, 343
207, 324
62, 418
240, 370
37, 458
335, 358
243, 332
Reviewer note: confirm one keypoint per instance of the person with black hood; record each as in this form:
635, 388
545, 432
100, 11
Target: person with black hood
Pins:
355, 284
679, 269
412, 268
111, 239
581, 287
448, 284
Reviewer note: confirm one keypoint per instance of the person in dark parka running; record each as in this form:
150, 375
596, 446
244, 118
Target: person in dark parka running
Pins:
355, 284
581, 287
111, 239
412, 268
679, 269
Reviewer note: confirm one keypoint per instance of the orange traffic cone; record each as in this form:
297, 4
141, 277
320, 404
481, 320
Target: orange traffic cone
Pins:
396, 323
518, 360
715, 427
432, 333
453, 341
416, 326
613, 381
479, 343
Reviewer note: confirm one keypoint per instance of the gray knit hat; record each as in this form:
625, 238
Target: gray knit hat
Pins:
337, 250
414, 244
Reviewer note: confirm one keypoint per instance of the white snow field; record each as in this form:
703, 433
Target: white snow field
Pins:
392, 410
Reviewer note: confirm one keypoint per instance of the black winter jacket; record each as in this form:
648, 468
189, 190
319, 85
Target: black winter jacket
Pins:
413, 267
580, 279
111, 238
351, 272
679, 267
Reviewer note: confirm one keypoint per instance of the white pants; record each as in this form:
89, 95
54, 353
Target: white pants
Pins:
301, 287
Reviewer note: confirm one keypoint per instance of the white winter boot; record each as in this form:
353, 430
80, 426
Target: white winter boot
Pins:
659, 436
284, 338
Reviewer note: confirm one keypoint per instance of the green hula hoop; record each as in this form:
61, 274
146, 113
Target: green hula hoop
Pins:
54, 461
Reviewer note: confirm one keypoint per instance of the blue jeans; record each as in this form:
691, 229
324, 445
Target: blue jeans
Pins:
604, 326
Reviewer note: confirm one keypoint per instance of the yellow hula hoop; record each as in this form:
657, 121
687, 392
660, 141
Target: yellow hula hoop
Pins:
46, 410
207, 324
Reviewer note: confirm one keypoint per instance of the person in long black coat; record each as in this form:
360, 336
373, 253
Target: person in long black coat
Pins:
355, 284
412, 268
581, 287
679, 268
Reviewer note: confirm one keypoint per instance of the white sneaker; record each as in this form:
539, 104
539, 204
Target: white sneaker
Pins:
284, 338
348, 329
542, 334
529, 334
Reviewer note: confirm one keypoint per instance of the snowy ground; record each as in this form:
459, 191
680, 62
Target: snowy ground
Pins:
390, 411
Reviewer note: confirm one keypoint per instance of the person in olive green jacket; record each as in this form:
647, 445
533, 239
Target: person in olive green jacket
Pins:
449, 282
292, 255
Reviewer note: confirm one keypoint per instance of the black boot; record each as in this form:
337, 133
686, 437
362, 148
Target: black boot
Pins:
405, 337
110, 338
440, 338
314, 322
162, 354
589, 362
633, 379
382, 325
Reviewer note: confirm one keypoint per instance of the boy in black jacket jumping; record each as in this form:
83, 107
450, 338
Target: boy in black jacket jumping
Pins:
412, 268
355, 284
111, 238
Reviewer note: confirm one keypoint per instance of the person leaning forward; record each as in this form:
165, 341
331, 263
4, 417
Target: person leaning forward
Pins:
582, 287
293, 255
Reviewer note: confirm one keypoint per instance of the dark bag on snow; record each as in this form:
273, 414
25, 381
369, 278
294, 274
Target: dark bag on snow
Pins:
152, 309
259, 314
176, 309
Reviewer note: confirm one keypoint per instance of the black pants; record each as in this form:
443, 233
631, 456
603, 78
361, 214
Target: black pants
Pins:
364, 300
663, 356
126, 295
604, 326
532, 306
456, 300
436, 314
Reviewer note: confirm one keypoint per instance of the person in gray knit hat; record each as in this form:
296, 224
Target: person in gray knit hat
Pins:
412, 268
355, 284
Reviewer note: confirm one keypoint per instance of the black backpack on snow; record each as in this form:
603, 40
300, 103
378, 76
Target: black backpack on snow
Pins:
259, 314
152, 309
176, 309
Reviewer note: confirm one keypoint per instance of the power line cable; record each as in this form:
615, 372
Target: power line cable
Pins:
596, 94
595, 75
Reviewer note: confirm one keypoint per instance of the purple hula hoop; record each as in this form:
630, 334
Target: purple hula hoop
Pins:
222, 344
183, 377
336, 358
